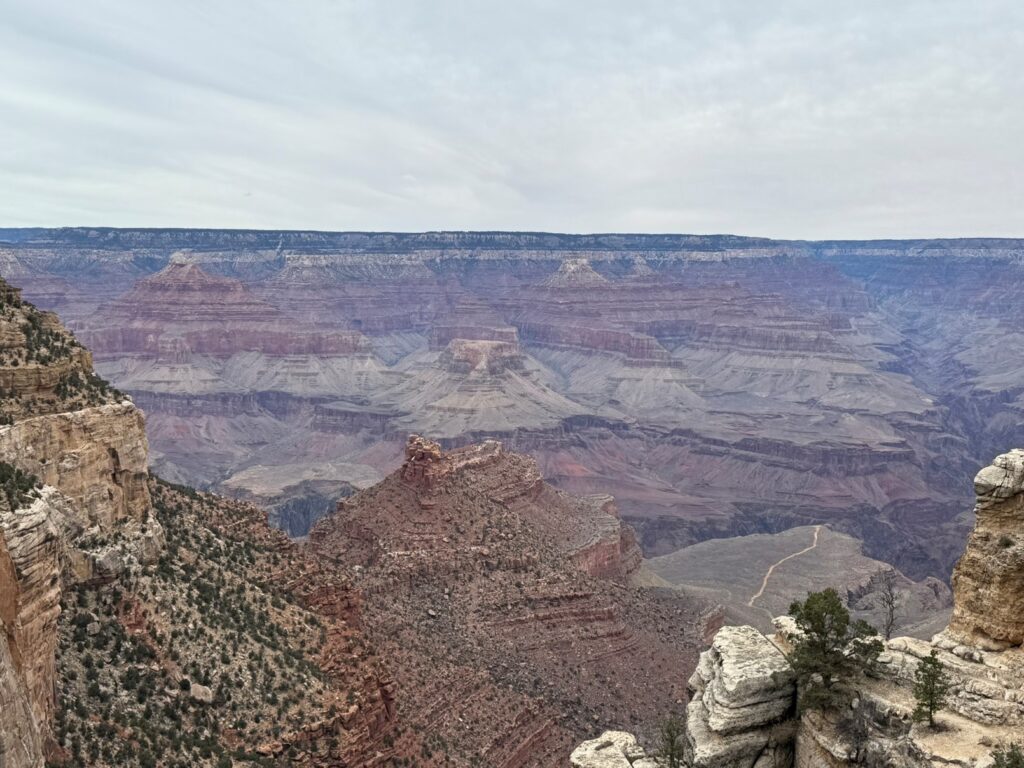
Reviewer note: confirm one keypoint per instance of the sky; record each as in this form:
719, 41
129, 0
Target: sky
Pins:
818, 119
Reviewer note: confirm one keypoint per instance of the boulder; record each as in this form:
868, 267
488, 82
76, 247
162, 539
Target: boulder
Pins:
741, 708
612, 749
201, 693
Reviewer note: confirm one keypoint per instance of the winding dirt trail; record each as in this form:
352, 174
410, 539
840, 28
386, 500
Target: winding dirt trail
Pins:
771, 568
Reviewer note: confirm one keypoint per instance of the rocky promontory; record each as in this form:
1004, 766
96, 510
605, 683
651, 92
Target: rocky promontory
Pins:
989, 579
504, 605
742, 710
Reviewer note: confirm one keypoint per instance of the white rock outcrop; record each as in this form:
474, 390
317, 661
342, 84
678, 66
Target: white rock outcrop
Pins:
741, 707
612, 749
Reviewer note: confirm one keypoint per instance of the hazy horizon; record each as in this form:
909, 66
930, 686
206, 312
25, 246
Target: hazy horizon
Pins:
794, 121
551, 232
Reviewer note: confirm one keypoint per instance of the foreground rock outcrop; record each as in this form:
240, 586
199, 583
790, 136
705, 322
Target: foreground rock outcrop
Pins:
742, 708
741, 703
75, 508
989, 579
612, 749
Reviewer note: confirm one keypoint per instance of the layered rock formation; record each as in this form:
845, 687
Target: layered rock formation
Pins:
741, 705
816, 373
143, 623
989, 579
76, 508
20, 741
503, 606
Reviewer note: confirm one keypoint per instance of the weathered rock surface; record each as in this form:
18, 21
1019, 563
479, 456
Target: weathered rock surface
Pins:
87, 519
30, 584
988, 581
612, 749
97, 457
21, 745
741, 703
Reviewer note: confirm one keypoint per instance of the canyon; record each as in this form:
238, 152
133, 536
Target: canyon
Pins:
715, 385
460, 610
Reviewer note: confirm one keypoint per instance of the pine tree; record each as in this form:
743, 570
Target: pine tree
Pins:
830, 652
931, 686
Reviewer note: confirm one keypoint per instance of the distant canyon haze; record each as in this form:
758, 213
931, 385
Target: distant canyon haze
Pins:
716, 386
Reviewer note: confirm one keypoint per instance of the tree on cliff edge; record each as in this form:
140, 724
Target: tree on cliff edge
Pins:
891, 599
830, 652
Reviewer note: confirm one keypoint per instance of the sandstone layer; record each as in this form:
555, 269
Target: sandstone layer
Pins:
989, 578
75, 508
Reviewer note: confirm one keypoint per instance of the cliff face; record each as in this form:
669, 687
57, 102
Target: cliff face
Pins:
989, 579
120, 597
76, 506
20, 743
32, 547
95, 456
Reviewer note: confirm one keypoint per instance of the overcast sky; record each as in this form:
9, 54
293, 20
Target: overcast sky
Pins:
810, 119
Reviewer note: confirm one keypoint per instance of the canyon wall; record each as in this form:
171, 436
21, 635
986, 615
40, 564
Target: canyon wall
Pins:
714, 385
106, 595
75, 505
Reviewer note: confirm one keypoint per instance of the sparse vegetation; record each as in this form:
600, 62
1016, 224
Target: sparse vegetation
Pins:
18, 487
1010, 756
209, 612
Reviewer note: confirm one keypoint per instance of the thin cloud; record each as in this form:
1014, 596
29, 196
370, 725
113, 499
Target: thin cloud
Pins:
791, 119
